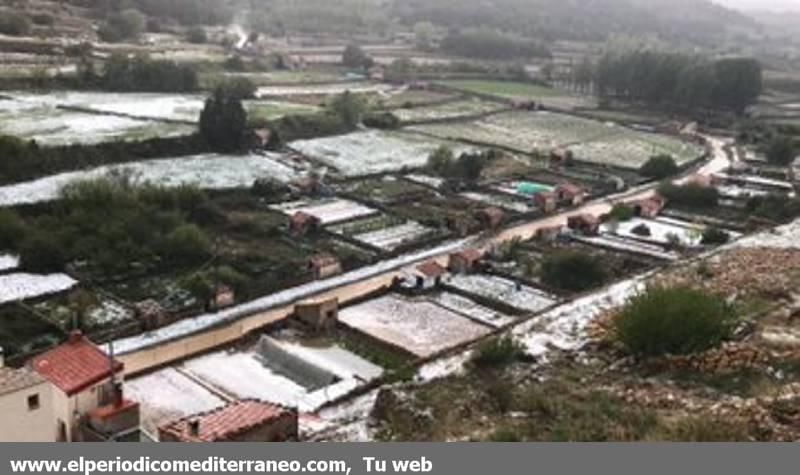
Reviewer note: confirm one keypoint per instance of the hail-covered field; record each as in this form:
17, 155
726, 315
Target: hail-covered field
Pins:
503, 290
449, 110
419, 326
499, 200
373, 151
323, 89
22, 286
660, 231
524, 91
472, 310
67, 117
392, 237
206, 171
50, 125
590, 140
328, 211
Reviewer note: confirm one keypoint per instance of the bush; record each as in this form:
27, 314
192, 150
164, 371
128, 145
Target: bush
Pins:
677, 320
781, 150
12, 230
707, 429
187, 243
573, 271
659, 167
775, 207
43, 19
498, 352
14, 24
197, 35
622, 212
690, 196
642, 230
382, 120
714, 236
42, 253
355, 57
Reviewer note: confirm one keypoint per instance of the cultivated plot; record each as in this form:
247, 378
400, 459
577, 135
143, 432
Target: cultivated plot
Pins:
418, 326
210, 171
503, 291
450, 110
362, 153
328, 211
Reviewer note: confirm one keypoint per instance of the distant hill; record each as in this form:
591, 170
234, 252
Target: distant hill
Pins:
697, 21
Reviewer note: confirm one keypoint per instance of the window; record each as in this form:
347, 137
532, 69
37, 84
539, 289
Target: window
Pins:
33, 402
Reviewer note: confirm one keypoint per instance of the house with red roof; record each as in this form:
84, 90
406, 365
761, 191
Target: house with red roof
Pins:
464, 261
84, 378
246, 420
429, 274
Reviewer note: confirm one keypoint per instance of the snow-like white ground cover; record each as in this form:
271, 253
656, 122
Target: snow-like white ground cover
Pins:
328, 211
432, 181
501, 201
109, 311
372, 151
417, 325
660, 230
733, 191
619, 243
8, 262
760, 181
395, 236
592, 141
472, 310
564, 327
168, 395
61, 127
323, 89
23, 286
334, 359
449, 110
245, 375
206, 171
782, 237
502, 290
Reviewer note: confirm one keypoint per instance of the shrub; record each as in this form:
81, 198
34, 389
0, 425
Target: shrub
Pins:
498, 352
712, 236
355, 57
677, 320
622, 212
187, 243
14, 24
642, 230
505, 435
12, 230
690, 196
382, 120
197, 35
42, 253
775, 207
781, 150
573, 271
707, 429
659, 167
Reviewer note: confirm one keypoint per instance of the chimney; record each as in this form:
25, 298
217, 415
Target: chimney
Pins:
2, 358
194, 428
75, 336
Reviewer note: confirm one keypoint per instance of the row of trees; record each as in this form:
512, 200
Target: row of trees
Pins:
670, 79
111, 223
141, 74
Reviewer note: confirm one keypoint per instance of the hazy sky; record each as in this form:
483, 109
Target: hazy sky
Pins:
776, 5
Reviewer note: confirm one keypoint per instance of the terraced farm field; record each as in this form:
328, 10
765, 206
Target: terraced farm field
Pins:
591, 141
526, 91
447, 111
362, 153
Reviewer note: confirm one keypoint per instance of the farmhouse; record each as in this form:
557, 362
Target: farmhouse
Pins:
151, 314
83, 380
549, 234
323, 266
26, 402
570, 194
319, 314
584, 223
301, 223
241, 421
490, 218
429, 274
224, 296
546, 201
464, 261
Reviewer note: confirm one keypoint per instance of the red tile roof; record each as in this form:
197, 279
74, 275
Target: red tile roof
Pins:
470, 254
226, 422
569, 189
75, 365
431, 269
